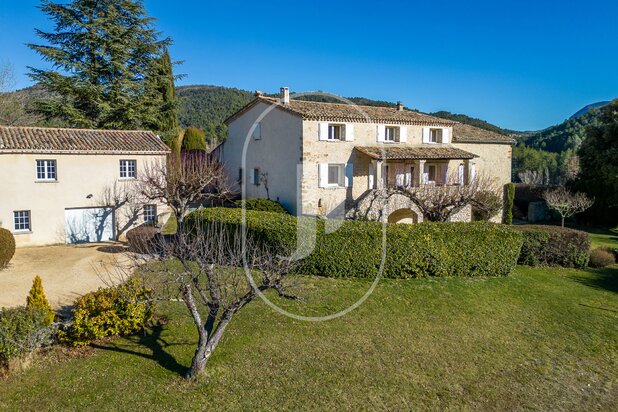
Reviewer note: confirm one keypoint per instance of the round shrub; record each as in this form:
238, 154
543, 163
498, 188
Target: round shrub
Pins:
7, 247
554, 246
143, 239
117, 311
355, 248
601, 257
262, 205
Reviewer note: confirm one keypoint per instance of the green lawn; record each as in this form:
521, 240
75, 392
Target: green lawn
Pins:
539, 339
602, 237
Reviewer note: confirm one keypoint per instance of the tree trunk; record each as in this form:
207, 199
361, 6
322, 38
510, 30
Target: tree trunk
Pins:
206, 347
562, 221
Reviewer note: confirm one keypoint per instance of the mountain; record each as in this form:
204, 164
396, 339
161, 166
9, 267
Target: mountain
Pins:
567, 135
587, 108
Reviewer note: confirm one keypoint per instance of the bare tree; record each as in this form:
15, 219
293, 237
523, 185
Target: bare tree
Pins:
566, 203
183, 180
208, 269
438, 203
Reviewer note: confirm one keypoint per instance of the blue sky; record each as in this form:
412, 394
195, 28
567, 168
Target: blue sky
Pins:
523, 65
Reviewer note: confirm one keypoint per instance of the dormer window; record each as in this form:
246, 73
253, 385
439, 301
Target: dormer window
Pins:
336, 131
435, 136
391, 134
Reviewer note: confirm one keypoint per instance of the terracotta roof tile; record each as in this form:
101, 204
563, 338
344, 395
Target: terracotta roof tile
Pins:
338, 112
53, 140
463, 133
414, 152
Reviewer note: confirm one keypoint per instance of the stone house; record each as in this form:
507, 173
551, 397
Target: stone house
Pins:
333, 159
74, 185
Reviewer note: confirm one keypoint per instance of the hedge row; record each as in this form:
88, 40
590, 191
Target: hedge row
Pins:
355, 248
23, 330
554, 246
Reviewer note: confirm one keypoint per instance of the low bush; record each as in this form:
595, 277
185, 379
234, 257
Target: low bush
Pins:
355, 248
143, 239
262, 205
36, 299
554, 246
23, 330
602, 257
117, 311
7, 247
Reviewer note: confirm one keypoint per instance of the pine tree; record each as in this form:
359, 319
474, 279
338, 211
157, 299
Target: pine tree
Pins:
194, 139
36, 300
101, 53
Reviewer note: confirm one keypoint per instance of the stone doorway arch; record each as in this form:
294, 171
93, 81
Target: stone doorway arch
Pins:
404, 215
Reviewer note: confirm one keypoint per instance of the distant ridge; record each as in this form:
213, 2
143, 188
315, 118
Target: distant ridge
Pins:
587, 108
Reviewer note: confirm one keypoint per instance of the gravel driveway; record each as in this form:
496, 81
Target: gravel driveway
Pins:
67, 271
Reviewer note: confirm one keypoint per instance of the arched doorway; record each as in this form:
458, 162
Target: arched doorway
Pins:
403, 216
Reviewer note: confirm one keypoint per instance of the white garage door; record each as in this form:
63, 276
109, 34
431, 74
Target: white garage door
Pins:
89, 225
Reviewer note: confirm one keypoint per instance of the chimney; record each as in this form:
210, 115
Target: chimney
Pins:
399, 106
258, 93
285, 95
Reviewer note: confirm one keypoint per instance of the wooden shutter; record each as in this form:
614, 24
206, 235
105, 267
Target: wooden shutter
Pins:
323, 175
403, 134
349, 175
380, 132
472, 172
323, 131
460, 174
371, 176
252, 177
349, 132
446, 135
426, 134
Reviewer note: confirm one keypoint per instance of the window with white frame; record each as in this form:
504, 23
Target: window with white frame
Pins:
336, 175
391, 134
150, 214
21, 220
336, 132
45, 170
435, 135
431, 173
127, 169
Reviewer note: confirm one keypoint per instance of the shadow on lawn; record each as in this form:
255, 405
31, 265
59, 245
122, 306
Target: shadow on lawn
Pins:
606, 279
153, 341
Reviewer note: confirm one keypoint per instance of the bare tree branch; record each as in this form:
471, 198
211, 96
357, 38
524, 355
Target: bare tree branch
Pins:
567, 204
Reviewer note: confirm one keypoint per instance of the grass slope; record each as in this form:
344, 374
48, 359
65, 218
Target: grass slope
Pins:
541, 338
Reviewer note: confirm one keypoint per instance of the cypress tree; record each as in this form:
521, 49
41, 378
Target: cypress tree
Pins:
37, 300
101, 54
194, 139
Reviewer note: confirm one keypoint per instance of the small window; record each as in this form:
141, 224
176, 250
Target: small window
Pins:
150, 214
256, 176
46, 170
391, 134
240, 175
336, 132
431, 173
336, 173
127, 169
435, 135
257, 132
21, 220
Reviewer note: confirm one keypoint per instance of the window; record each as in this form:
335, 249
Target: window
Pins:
435, 135
391, 134
127, 169
46, 170
336, 132
150, 214
431, 173
336, 174
240, 175
21, 220
257, 132
256, 176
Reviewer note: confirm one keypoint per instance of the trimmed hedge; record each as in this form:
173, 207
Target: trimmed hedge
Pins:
7, 247
355, 248
554, 246
263, 205
509, 198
